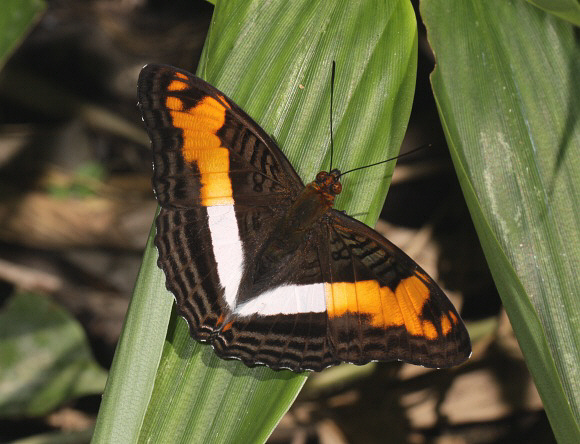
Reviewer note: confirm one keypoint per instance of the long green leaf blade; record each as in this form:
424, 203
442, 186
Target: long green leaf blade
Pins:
506, 84
134, 367
565, 9
274, 61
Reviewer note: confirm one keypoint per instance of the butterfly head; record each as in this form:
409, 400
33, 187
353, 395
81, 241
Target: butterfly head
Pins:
329, 182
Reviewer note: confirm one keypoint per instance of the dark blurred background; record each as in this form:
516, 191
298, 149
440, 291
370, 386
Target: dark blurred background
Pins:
76, 207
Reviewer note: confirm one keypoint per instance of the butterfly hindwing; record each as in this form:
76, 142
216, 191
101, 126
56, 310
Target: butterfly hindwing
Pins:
186, 255
284, 325
383, 306
295, 341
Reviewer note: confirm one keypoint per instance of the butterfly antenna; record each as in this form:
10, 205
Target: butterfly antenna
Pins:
388, 160
331, 100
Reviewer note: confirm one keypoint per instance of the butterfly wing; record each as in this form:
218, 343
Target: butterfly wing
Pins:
204, 145
382, 306
208, 154
379, 305
287, 325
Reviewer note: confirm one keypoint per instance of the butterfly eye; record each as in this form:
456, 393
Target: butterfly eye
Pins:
321, 176
336, 187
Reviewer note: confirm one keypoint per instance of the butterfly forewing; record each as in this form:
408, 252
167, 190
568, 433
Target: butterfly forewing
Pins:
203, 144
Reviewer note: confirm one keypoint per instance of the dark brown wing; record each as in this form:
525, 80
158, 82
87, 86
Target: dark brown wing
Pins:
200, 139
288, 330
186, 256
207, 153
383, 306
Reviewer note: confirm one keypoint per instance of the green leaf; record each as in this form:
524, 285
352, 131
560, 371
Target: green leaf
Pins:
45, 357
565, 9
275, 62
506, 84
16, 19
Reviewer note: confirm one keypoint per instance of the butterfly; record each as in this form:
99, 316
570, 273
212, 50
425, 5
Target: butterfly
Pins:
261, 266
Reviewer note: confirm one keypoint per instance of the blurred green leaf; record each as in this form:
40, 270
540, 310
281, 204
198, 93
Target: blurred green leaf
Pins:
274, 61
506, 84
91, 170
16, 19
45, 358
85, 182
565, 9
68, 437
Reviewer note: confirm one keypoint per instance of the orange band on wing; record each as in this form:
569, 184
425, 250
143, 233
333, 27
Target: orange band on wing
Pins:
202, 146
176, 85
448, 320
387, 308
